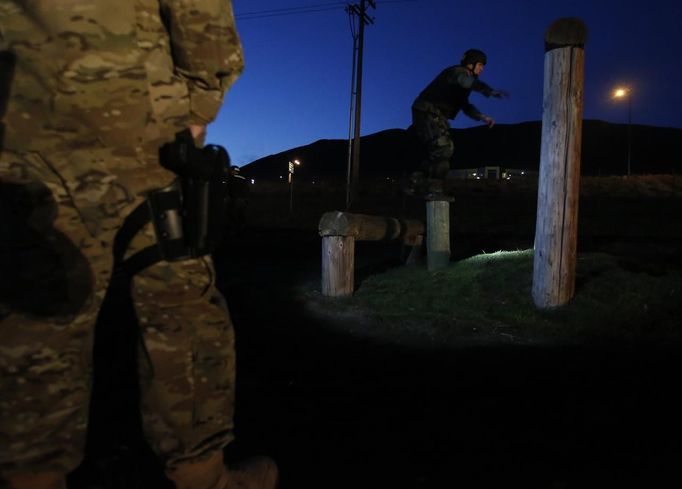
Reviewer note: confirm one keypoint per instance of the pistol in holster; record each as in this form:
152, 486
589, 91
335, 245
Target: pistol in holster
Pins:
189, 214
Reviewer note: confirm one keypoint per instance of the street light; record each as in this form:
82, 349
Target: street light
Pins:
621, 93
292, 164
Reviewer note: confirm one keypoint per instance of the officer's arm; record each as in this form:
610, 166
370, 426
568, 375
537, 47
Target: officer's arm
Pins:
471, 111
464, 79
206, 51
469, 81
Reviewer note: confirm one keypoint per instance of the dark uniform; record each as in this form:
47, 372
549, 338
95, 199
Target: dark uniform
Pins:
441, 100
88, 93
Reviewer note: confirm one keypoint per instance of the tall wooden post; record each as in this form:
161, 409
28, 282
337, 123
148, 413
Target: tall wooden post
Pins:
556, 229
437, 234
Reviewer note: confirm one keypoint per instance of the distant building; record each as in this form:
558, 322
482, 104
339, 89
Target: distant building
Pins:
490, 173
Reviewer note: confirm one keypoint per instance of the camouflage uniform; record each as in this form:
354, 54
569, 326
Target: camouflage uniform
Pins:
88, 93
441, 100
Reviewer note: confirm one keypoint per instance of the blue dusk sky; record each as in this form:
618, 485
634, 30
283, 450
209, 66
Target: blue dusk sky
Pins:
296, 85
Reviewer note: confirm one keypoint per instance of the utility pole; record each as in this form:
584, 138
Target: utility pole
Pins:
359, 10
620, 93
629, 130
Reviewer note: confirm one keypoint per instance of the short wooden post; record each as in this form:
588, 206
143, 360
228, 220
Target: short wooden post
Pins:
437, 234
340, 231
414, 243
556, 228
338, 265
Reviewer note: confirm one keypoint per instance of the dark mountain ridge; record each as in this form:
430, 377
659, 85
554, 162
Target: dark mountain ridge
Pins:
394, 153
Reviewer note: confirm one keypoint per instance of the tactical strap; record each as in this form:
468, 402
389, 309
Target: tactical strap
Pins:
168, 247
131, 226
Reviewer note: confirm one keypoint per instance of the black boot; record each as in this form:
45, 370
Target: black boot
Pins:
439, 170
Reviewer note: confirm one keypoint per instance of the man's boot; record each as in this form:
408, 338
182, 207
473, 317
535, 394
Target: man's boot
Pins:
42, 480
211, 473
435, 189
439, 170
253, 473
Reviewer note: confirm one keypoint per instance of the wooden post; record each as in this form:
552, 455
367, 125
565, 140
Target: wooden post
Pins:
414, 244
556, 228
437, 234
340, 231
338, 265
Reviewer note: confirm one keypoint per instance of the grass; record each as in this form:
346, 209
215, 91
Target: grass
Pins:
491, 295
629, 272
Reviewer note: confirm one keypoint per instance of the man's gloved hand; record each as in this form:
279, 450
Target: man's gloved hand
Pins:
499, 94
489, 121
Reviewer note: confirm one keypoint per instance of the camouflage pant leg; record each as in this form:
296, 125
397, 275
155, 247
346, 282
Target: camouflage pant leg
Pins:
433, 131
188, 400
54, 275
188, 362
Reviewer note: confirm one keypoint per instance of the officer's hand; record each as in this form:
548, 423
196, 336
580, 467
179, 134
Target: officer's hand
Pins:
499, 94
197, 130
489, 121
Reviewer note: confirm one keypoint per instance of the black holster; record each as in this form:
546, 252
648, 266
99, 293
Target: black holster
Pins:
188, 215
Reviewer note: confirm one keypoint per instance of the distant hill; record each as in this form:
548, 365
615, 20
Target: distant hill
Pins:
395, 152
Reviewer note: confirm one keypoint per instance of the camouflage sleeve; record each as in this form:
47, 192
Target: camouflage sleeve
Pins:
463, 78
471, 111
466, 80
206, 51
479, 86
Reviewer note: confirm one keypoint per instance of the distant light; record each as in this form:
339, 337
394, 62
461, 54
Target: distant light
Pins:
621, 92
523, 173
280, 177
253, 181
297, 162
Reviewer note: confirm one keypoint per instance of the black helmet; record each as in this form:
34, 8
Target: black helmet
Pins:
473, 56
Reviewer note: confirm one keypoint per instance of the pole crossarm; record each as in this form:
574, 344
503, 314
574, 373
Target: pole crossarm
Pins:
361, 13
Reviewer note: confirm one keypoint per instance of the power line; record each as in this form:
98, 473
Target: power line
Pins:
284, 13
305, 9
286, 9
289, 11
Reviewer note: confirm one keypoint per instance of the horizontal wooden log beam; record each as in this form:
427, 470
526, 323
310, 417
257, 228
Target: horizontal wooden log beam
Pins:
364, 227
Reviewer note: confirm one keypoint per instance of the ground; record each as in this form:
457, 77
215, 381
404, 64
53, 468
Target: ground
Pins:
340, 400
